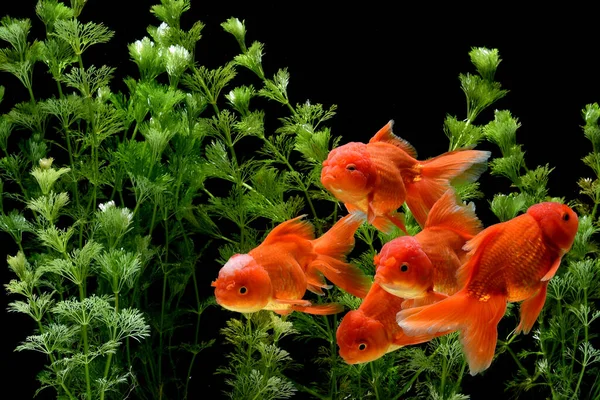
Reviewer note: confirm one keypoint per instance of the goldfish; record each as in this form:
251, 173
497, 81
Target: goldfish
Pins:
413, 266
378, 177
511, 261
369, 332
276, 274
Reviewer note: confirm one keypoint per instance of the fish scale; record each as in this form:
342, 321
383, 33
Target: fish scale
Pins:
513, 271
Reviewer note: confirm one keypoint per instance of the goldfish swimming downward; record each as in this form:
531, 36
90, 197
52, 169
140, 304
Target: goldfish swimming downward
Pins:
378, 177
414, 266
369, 332
510, 261
276, 274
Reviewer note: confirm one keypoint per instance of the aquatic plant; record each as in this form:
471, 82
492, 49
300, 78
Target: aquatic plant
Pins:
115, 199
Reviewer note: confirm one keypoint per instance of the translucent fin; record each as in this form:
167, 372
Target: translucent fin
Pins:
347, 277
339, 239
293, 226
475, 246
552, 271
531, 308
447, 213
436, 175
476, 320
386, 135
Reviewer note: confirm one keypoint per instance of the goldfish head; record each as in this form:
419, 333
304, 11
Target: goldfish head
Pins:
403, 269
557, 221
242, 285
361, 339
348, 172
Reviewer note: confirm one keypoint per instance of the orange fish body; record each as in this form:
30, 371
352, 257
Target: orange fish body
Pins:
371, 331
378, 177
423, 267
507, 262
276, 274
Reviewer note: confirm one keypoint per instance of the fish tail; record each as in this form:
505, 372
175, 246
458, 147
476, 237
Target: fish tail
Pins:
476, 320
346, 276
331, 249
436, 175
339, 239
448, 213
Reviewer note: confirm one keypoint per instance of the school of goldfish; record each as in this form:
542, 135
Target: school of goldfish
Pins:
453, 275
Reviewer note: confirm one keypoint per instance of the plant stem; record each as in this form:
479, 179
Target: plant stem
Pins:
114, 333
586, 339
160, 332
86, 349
374, 381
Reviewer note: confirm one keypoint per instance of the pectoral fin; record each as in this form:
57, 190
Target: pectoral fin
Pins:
552, 270
530, 310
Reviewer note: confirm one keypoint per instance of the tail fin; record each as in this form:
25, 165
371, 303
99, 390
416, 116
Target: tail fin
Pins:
476, 320
447, 213
331, 249
459, 166
339, 239
347, 277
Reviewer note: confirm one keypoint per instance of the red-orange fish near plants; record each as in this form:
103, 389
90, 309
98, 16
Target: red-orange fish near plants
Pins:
423, 267
369, 332
510, 261
276, 274
378, 177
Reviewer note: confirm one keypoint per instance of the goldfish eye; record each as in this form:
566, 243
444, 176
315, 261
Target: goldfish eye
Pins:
243, 290
351, 167
565, 217
362, 346
404, 268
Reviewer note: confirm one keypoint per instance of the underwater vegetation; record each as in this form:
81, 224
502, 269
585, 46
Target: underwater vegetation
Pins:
123, 199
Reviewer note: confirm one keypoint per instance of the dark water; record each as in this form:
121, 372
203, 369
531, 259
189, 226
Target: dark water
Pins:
376, 63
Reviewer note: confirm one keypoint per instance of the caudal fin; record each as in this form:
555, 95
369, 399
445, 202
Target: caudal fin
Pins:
346, 276
449, 214
332, 248
339, 239
459, 166
476, 320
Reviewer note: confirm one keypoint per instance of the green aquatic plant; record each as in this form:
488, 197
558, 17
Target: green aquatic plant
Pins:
132, 207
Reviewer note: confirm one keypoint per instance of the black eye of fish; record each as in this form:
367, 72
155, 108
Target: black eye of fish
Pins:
243, 290
351, 167
565, 217
404, 268
362, 346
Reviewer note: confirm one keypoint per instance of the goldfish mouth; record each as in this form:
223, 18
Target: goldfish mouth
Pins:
396, 290
328, 179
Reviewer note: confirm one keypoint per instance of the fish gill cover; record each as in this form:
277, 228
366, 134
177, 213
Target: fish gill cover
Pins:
124, 190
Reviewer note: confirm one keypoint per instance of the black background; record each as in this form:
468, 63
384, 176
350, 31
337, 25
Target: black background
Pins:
376, 63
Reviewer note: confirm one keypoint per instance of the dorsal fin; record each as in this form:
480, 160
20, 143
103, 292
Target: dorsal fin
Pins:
386, 135
448, 213
294, 226
475, 248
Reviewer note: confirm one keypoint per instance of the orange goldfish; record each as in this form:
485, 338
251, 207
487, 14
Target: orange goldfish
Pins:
508, 262
413, 266
378, 177
371, 331
276, 274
